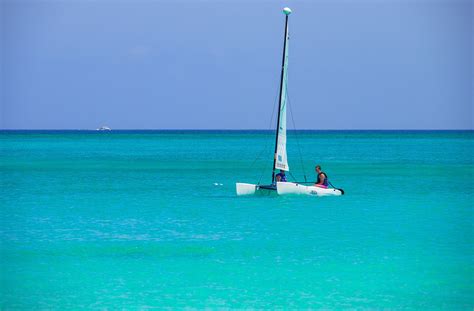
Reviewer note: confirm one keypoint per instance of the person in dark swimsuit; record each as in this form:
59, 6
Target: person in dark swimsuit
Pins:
281, 176
322, 180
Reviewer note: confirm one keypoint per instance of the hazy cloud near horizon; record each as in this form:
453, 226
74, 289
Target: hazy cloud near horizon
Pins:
403, 64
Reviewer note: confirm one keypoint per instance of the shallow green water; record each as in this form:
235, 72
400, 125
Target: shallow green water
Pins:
136, 220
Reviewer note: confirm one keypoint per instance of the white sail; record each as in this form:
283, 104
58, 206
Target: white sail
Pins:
281, 162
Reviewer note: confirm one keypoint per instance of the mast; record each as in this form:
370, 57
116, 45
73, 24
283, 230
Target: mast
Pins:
286, 11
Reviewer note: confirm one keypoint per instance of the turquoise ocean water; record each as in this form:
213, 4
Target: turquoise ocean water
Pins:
133, 220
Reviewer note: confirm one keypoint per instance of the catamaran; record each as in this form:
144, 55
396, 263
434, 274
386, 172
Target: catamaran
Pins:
280, 160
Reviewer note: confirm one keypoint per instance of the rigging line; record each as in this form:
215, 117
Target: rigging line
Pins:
269, 127
267, 144
294, 179
296, 134
262, 171
265, 147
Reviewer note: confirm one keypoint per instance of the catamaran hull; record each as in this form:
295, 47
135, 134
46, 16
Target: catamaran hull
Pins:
251, 189
292, 188
245, 189
284, 188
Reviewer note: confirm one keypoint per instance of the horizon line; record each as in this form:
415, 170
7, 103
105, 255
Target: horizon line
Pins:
229, 130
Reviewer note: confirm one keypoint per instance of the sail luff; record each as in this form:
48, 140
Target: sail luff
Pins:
280, 157
282, 161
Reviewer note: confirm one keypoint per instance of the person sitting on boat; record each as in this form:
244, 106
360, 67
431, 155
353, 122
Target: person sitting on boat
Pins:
322, 180
281, 176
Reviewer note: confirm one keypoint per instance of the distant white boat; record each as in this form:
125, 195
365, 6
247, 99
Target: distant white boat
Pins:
104, 128
280, 161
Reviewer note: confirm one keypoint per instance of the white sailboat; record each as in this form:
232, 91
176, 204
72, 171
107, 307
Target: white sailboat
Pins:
280, 160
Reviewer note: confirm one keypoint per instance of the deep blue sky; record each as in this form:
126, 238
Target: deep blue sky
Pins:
180, 64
